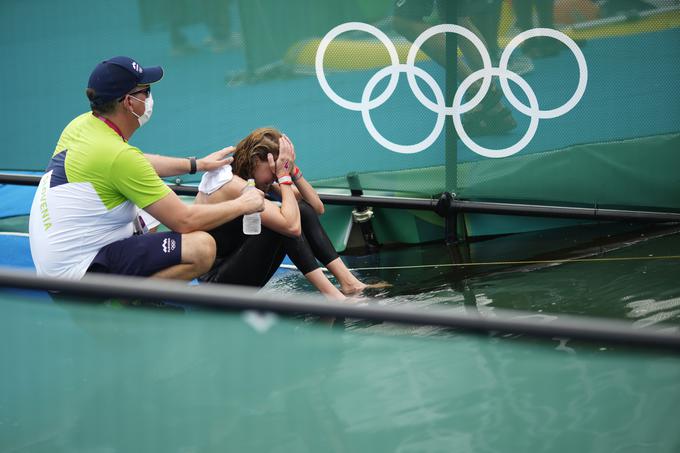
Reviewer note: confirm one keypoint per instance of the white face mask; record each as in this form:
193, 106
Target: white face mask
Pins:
148, 110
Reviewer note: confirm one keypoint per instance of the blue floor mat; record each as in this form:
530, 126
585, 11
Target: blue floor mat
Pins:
16, 251
15, 200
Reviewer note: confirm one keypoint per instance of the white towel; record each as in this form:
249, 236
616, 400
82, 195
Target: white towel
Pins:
149, 220
213, 180
143, 222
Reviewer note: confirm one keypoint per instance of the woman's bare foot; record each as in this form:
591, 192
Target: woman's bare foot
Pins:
349, 283
360, 287
356, 288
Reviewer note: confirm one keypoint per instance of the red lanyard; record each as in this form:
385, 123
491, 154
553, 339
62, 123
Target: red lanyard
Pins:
112, 126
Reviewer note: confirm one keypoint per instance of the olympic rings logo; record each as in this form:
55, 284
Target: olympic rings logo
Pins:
458, 107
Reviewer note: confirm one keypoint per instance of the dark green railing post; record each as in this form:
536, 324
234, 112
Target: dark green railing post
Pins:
450, 13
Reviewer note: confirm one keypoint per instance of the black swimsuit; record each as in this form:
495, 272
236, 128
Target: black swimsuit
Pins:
252, 260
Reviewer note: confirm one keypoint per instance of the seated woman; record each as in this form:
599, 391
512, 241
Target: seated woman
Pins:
291, 227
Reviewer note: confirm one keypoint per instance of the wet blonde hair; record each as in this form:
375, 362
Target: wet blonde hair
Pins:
254, 148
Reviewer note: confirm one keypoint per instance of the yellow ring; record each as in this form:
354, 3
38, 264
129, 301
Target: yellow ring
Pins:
347, 54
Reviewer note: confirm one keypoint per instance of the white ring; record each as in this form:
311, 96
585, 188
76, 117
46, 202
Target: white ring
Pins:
441, 116
582, 72
321, 51
486, 60
495, 153
457, 108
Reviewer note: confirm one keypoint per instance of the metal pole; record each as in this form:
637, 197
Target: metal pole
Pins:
445, 206
234, 298
450, 10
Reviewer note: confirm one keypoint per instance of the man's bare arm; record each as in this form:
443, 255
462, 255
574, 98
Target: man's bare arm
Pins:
172, 166
183, 218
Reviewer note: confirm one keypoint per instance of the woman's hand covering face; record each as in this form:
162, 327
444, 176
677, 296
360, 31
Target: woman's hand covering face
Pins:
285, 162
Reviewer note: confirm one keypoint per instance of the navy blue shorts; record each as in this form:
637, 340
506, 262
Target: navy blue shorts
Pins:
142, 255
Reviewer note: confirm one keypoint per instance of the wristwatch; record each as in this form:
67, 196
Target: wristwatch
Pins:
192, 162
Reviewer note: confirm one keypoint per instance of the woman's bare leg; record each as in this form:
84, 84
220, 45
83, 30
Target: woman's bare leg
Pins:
320, 282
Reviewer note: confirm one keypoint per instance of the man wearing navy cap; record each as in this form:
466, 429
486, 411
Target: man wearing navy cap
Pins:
86, 207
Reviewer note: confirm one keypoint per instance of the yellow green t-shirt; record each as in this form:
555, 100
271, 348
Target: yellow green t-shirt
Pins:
88, 197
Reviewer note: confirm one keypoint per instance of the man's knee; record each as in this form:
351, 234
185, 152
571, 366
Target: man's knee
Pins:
199, 249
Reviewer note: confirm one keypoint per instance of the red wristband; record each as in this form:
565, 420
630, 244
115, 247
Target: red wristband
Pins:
286, 180
297, 174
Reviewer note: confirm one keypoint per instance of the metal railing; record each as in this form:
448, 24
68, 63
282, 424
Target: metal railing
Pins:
235, 298
446, 205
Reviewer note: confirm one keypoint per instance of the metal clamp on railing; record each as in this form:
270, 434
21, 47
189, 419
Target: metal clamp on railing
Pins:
361, 215
445, 208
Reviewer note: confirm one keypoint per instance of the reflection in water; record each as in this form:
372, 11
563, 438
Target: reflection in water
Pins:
657, 318
586, 270
644, 307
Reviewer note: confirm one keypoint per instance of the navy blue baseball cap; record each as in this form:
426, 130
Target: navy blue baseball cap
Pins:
117, 76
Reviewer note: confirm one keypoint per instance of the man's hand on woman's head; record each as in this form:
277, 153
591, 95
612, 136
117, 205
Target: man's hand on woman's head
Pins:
216, 160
